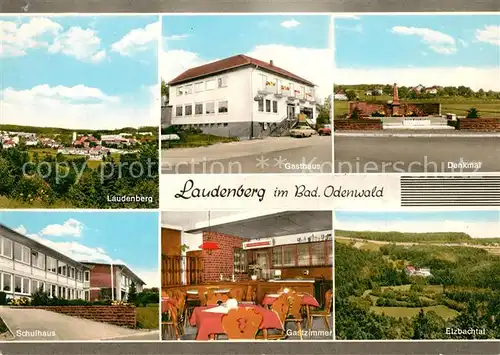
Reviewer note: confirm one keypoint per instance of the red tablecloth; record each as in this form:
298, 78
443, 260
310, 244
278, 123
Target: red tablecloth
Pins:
165, 302
307, 300
211, 323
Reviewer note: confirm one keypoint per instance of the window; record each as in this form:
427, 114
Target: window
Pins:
178, 111
87, 276
7, 282
72, 272
179, 91
198, 87
38, 260
21, 284
209, 108
264, 81
78, 275
61, 268
198, 109
6, 247
292, 92
223, 107
303, 254
222, 82
37, 286
302, 91
210, 84
268, 105
21, 253
260, 105
51, 264
239, 261
289, 255
275, 106
318, 254
53, 290
188, 89
277, 257
188, 110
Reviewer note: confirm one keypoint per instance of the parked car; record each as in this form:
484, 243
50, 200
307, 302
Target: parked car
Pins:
325, 130
302, 132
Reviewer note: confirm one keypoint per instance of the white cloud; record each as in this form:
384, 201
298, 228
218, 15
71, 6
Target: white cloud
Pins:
150, 276
138, 40
438, 41
177, 37
21, 230
82, 44
70, 228
489, 34
473, 228
463, 43
16, 39
312, 64
290, 23
475, 78
77, 107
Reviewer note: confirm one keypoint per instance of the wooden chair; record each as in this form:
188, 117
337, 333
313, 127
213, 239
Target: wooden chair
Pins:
295, 311
171, 327
236, 293
324, 313
182, 312
202, 295
241, 323
214, 299
280, 306
249, 294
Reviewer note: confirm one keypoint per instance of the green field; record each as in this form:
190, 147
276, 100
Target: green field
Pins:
148, 317
405, 312
456, 105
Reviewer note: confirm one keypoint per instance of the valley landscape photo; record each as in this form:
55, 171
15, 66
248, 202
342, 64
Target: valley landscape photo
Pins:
417, 275
76, 132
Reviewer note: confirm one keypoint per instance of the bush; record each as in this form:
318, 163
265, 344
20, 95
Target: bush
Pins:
3, 298
20, 302
40, 298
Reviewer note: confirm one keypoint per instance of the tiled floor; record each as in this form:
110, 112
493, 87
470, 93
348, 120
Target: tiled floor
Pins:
319, 332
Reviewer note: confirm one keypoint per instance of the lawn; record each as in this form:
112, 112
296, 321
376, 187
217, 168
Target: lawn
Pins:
92, 164
458, 106
198, 140
405, 312
8, 203
148, 317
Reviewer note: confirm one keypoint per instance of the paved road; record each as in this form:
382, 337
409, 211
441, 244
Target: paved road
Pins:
415, 154
36, 324
270, 155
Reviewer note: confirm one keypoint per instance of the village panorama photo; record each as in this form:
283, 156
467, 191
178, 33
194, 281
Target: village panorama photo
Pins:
75, 132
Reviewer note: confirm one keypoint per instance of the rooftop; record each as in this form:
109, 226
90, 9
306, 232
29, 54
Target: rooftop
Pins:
234, 62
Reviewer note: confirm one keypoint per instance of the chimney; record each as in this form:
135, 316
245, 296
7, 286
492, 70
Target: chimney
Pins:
271, 62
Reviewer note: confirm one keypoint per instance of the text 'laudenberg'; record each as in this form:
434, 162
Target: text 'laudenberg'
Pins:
189, 191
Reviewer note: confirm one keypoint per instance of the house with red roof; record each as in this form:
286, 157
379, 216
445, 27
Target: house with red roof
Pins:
241, 97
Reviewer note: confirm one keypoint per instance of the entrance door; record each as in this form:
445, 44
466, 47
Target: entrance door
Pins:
290, 112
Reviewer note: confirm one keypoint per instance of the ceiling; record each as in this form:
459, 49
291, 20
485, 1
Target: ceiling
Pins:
273, 224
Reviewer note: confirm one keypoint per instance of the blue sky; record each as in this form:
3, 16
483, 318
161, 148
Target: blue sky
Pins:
446, 50
437, 40
214, 37
476, 223
300, 44
95, 236
70, 61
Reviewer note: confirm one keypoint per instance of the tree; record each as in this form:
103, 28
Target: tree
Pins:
356, 114
132, 293
351, 95
473, 113
164, 90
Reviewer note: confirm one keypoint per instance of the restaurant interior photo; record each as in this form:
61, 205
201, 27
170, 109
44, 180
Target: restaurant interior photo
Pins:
246, 275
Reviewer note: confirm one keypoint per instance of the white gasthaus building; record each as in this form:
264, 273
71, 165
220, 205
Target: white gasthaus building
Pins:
241, 97
27, 266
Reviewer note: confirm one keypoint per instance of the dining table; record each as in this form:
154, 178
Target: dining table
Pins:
209, 323
308, 301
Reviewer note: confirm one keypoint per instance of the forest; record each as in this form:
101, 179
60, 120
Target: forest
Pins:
376, 299
58, 181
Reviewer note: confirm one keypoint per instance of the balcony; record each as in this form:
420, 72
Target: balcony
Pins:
271, 88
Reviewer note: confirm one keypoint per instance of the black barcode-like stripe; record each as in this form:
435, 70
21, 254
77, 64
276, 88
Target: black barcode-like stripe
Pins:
456, 191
